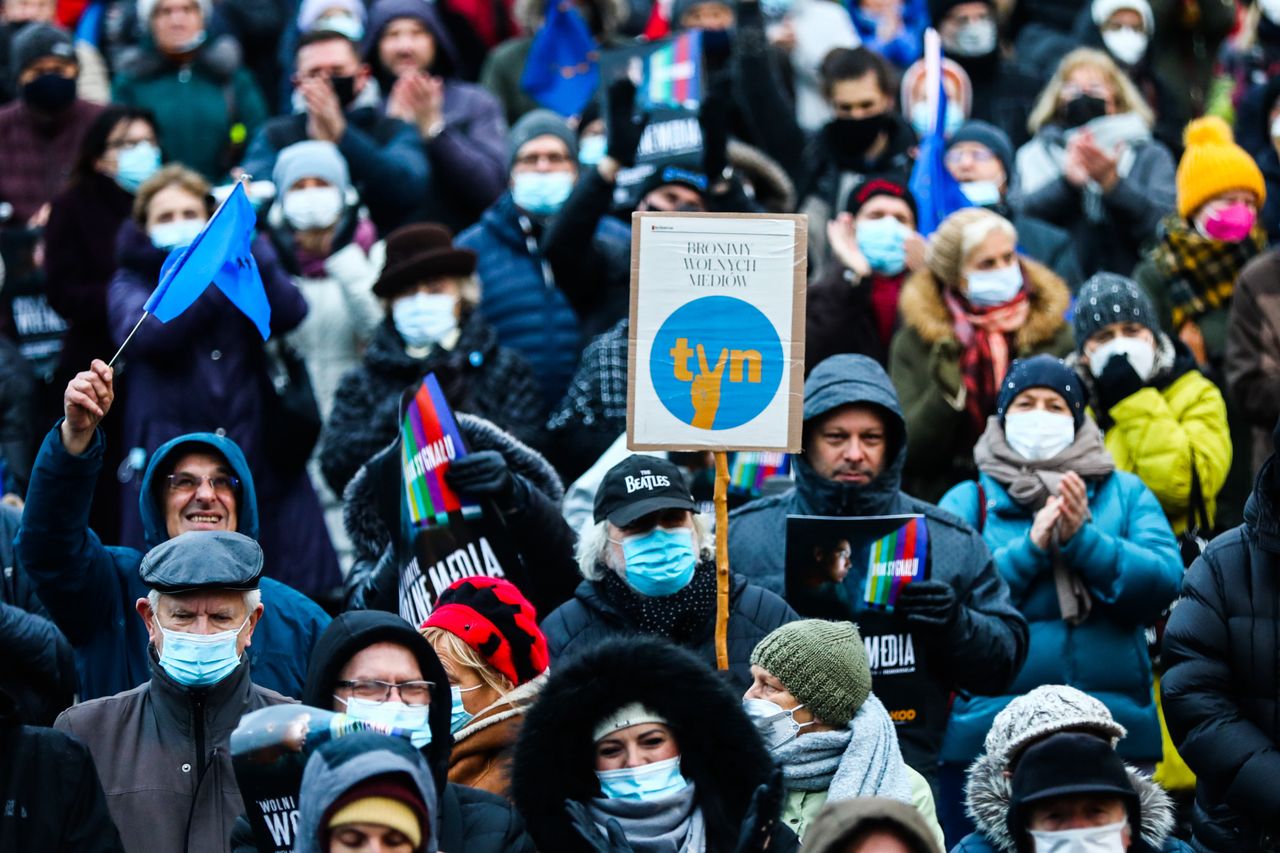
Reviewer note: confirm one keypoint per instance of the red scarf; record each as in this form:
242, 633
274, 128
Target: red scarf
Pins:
986, 338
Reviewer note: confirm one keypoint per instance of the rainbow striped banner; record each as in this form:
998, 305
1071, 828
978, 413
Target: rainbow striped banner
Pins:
896, 560
672, 72
750, 469
429, 442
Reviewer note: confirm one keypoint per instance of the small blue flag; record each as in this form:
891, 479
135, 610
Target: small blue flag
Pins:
219, 254
937, 193
562, 71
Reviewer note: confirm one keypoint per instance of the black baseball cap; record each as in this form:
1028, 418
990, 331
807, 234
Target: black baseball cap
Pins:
639, 485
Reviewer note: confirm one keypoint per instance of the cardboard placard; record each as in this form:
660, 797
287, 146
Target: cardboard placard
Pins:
716, 350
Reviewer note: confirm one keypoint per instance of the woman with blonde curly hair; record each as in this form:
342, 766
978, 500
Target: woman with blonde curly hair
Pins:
1092, 166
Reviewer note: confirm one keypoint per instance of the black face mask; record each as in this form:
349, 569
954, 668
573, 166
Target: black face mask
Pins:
849, 138
345, 89
49, 93
716, 44
1082, 110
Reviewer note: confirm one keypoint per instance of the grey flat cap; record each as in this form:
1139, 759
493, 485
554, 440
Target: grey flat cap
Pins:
212, 559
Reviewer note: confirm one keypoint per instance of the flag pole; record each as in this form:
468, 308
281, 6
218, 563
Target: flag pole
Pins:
243, 180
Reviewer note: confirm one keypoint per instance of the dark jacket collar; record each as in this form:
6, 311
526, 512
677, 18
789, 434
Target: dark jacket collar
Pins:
386, 352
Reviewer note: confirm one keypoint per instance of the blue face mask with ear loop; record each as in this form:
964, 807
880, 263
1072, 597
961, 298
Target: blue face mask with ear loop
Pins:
410, 718
199, 660
660, 562
647, 782
459, 716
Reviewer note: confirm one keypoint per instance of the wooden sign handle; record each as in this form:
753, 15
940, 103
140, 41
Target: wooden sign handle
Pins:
722, 560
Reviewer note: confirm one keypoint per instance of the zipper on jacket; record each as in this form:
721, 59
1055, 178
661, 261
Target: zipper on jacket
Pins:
197, 730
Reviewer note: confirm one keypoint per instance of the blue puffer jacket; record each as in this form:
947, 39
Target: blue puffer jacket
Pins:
90, 588
519, 297
1129, 561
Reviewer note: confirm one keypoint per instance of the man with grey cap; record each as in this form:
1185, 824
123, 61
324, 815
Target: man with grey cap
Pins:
161, 748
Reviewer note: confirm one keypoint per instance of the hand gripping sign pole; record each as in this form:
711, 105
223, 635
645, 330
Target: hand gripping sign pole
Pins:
716, 346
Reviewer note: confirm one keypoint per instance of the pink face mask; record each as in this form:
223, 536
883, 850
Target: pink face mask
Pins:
1230, 224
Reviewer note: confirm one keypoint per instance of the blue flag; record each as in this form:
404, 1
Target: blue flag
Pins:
219, 254
562, 71
937, 193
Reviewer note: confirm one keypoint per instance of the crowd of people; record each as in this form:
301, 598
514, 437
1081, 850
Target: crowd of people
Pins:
1070, 381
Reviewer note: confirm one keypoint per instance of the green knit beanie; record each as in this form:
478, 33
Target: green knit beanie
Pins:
823, 664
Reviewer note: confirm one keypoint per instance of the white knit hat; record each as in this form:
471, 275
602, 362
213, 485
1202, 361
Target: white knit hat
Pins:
625, 717
1049, 709
1104, 9
146, 8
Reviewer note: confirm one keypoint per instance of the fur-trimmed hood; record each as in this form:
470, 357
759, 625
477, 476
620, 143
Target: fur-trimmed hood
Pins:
987, 795
511, 705
773, 190
529, 14
923, 309
720, 750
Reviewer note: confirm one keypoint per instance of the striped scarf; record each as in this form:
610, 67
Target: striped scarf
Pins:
1201, 272
985, 337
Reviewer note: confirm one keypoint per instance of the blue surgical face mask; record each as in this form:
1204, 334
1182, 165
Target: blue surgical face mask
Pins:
660, 562
541, 193
409, 718
424, 318
981, 193
987, 288
591, 149
644, 783
921, 116
135, 164
171, 235
459, 716
341, 24
198, 660
881, 242
775, 9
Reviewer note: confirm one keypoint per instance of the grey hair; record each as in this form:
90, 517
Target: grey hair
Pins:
252, 598
593, 546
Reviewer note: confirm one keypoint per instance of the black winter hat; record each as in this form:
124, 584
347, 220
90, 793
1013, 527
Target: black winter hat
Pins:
1042, 371
938, 9
1108, 298
990, 137
419, 252
36, 41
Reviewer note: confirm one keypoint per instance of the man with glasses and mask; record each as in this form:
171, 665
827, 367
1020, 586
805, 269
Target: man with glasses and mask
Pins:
337, 101
372, 665
649, 567
161, 749
195, 482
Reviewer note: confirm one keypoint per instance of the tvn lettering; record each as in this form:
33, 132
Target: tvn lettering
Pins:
646, 481
752, 359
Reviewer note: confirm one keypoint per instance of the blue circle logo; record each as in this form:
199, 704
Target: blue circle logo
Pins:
716, 363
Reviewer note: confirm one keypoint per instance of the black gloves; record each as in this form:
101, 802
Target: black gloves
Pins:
713, 118
930, 605
622, 130
615, 842
1118, 381
762, 815
482, 475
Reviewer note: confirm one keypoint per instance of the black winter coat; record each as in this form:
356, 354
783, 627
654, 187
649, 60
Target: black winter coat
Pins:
720, 749
477, 376
1221, 687
588, 619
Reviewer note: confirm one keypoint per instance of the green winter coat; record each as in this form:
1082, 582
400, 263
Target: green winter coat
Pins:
924, 363
205, 110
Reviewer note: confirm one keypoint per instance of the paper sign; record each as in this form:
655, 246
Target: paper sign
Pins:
716, 350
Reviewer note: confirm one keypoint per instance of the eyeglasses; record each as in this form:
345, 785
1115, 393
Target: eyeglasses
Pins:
1071, 91
978, 155
555, 159
187, 483
411, 692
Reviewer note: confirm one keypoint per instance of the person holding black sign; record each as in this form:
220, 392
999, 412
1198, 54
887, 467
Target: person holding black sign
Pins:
964, 632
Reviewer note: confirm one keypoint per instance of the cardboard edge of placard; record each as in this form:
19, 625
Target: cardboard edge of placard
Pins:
799, 293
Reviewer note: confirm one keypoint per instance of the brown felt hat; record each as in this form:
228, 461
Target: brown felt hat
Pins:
419, 252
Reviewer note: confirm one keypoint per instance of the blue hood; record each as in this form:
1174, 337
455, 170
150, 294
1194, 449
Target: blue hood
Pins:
154, 528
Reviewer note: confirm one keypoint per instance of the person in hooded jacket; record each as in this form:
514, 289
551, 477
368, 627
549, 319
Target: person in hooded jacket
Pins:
648, 568
1041, 713
487, 637
961, 618
1220, 684
89, 588
371, 646
1085, 549
635, 744
870, 824
219, 350
1252, 364
367, 792
431, 326
975, 306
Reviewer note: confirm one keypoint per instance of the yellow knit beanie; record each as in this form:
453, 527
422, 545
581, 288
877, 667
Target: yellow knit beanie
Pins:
1213, 164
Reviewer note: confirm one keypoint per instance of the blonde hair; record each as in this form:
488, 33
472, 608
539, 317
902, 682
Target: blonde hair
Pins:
957, 236
450, 645
173, 175
1127, 97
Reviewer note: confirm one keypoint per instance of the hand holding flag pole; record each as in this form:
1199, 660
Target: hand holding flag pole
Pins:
220, 254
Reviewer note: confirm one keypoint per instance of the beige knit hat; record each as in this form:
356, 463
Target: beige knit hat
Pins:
947, 245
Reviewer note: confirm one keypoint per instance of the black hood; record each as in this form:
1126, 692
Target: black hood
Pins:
359, 629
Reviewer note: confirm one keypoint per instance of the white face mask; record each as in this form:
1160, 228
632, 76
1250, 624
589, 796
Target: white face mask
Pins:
312, 208
974, 39
1038, 434
777, 726
424, 318
171, 235
410, 718
981, 193
1092, 839
987, 288
1270, 8
1127, 45
1141, 355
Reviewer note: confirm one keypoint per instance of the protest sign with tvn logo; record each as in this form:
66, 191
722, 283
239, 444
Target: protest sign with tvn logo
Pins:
717, 331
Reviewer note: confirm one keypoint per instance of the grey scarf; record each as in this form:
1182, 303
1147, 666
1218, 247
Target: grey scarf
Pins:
861, 760
669, 825
1031, 482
